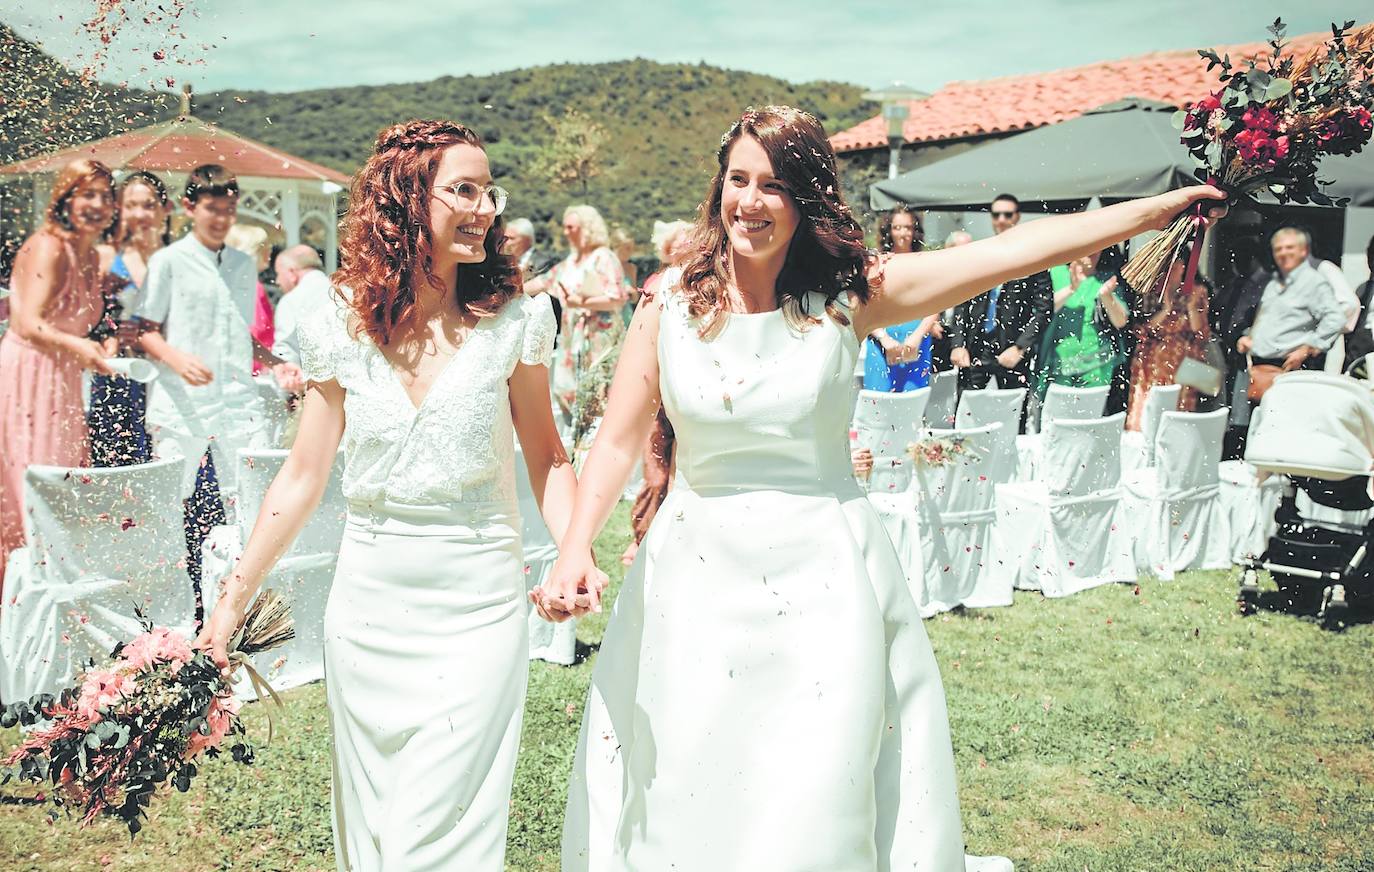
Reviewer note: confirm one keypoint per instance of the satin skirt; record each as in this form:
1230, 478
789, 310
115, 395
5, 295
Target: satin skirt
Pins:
425, 671
765, 699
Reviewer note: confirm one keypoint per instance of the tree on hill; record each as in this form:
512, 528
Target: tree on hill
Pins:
572, 158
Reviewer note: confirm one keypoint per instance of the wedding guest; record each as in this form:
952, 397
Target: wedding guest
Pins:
305, 290
518, 243
118, 414
1171, 325
672, 241
996, 334
1246, 273
1299, 315
252, 241
1360, 342
197, 307
898, 358
589, 282
941, 347
56, 298
1086, 344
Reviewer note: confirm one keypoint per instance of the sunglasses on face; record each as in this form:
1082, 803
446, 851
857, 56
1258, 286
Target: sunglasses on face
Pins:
996, 213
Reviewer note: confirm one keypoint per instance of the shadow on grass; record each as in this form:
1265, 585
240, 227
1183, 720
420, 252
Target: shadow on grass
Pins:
584, 651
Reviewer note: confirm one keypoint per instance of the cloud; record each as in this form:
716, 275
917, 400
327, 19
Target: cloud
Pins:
271, 45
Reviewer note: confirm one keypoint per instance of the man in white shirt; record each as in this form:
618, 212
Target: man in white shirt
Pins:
196, 308
305, 291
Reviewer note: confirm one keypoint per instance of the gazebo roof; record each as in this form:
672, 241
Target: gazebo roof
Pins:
181, 145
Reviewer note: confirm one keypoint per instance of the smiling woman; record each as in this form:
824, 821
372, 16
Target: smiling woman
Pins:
427, 366
56, 301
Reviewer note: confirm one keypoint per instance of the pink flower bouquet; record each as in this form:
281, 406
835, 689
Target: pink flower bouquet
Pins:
109, 742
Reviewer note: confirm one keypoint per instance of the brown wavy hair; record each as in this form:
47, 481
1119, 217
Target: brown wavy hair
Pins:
69, 178
386, 233
827, 253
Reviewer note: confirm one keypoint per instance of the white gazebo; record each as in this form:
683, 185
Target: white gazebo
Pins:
298, 197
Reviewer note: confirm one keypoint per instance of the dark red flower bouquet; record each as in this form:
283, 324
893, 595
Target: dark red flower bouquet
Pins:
1265, 129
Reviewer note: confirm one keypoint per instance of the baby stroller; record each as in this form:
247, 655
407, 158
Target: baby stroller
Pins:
1317, 431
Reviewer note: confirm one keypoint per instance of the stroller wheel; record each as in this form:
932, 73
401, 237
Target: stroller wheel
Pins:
1334, 608
1248, 595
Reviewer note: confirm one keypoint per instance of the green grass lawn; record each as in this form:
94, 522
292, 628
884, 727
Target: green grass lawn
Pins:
1120, 729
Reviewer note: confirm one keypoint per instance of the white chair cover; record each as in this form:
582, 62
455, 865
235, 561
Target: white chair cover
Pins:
101, 542
1063, 403
556, 643
1249, 505
944, 392
1175, 506
302, 576
1062, 533
1138, 447
955, 507
886, 425
995, 406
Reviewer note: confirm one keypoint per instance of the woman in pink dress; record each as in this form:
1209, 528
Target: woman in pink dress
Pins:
56, 299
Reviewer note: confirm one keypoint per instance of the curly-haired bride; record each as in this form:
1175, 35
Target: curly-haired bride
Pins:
427, 361
765, 697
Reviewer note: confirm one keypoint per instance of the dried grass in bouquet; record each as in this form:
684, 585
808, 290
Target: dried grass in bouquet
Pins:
1265, 129
107, 744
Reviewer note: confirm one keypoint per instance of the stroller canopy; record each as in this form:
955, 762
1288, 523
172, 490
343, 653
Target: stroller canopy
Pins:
1314, 424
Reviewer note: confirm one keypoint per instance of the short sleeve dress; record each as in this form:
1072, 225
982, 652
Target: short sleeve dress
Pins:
425, 629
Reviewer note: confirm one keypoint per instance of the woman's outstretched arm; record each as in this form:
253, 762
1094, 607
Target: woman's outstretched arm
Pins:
921, 283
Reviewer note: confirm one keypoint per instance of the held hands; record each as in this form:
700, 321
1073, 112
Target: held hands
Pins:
191, 369
1107, 288
572, 590
959, 357
1243, 345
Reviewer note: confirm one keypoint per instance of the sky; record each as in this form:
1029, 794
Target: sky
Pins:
290, 45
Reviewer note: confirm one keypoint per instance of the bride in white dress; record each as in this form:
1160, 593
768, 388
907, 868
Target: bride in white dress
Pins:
766, 697
424, 374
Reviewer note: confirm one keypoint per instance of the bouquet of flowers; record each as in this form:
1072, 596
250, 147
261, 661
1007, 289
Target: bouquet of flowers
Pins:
936, 451
1266, 128
107, 744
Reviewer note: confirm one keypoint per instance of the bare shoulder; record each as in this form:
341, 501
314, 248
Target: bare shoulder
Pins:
43, 254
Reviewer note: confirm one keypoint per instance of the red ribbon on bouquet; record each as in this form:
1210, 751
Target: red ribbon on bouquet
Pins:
1199, 234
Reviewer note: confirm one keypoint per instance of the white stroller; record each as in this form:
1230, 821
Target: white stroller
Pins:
1317, 431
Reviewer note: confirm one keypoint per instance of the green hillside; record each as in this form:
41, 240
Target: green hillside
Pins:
661, 122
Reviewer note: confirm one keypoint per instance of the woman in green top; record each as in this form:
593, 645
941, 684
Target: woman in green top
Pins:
1085, 344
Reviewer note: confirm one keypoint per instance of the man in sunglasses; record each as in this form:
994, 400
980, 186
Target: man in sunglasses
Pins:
996, 334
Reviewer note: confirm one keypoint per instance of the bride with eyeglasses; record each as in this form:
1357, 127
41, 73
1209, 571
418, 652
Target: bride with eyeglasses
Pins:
428, 365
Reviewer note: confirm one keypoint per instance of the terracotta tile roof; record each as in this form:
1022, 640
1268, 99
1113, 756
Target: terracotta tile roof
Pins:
965, 109
182, 145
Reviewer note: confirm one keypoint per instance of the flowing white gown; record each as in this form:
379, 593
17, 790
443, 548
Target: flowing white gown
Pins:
765, 697
425, 633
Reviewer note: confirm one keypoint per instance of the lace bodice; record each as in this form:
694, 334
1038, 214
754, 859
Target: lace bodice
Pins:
458, 445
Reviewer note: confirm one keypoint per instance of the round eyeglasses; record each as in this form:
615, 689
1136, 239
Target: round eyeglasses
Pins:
470, 193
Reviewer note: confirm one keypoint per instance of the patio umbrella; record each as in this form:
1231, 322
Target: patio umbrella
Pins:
1126, 149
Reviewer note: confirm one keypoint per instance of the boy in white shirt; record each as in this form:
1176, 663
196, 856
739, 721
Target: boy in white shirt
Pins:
196, 309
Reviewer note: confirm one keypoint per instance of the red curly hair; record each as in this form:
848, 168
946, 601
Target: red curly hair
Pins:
386, 233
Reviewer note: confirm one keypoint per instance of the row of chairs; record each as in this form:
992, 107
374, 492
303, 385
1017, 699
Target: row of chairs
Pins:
1079, 504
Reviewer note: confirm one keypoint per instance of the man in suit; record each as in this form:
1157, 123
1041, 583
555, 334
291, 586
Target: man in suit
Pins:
996, 334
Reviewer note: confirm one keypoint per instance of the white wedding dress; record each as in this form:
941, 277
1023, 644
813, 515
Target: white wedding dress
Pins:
425, 630
765, 698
